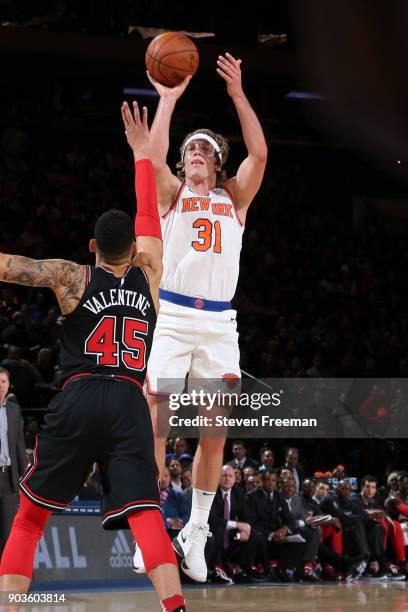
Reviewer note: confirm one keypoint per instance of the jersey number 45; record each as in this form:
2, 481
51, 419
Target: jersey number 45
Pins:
103, 343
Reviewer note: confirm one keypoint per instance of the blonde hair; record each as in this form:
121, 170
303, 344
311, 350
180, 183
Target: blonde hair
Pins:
221, 175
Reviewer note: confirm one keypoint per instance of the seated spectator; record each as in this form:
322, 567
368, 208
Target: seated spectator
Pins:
271, 524
335, 565
187, 484
31, 429
380, 528
239, 451
302, 519
321, 490
45, 366
174, 505
175, 473
231, 539
186, 460
52, 326
248, 471
23, 375
390, 488
252, 482
267, 460
283, 474
354, 535
186, 478
16, 334
88, 491
180, 447
239, 477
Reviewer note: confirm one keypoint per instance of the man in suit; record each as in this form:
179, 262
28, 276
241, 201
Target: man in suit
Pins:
13, 457
239, 450
231, 533
292, 462
272, 523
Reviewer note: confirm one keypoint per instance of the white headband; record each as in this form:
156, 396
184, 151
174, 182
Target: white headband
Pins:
201, 136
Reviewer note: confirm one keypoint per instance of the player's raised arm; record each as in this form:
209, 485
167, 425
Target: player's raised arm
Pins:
250, 173
66, 278
147, 223
167, 183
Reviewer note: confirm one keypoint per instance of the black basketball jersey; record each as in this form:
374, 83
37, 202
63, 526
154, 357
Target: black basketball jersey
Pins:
111, 329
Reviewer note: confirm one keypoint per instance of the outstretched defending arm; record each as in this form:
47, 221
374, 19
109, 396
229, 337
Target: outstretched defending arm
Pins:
147, 221
250, 173
65, 278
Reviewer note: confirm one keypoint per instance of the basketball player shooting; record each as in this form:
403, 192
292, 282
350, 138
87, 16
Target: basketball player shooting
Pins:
203, 216
101, 414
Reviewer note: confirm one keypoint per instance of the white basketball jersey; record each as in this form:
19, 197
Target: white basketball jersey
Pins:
202, 240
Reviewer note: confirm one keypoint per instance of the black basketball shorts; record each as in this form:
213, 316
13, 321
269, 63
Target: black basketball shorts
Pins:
103, 419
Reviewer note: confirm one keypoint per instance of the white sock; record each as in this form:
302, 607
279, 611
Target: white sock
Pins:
201, 505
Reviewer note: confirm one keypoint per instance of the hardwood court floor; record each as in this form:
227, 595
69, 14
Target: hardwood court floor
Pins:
372, 597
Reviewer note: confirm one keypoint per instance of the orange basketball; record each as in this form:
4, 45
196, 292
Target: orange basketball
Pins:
170, 57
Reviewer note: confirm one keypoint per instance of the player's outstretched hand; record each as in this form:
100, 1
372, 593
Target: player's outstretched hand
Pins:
170, 92
229, 69
136, 130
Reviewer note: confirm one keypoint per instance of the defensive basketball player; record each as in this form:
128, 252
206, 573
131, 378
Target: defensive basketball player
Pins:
203, 216
101, 414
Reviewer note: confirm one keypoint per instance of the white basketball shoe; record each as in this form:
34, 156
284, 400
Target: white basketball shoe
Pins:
189, 545
138, 563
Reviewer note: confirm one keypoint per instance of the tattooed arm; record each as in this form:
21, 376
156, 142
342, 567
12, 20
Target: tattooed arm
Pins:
65, 278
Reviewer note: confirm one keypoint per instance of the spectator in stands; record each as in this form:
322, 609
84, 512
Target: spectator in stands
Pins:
88, 491
248, 471
239, 477
321, 490
23, 375
283, 473
354, 535
180, 447
16, 334
31, 429
267, 460
174, 505
252, 482
317, 370
302, 519
390, 488
186, 460
292, 462
335, 565
272, 523
239, 451
231, 539
175, 473
187, 485
186, 478
45, 366
380, 528
51, 326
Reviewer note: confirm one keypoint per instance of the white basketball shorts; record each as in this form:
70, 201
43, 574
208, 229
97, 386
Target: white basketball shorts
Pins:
203, 344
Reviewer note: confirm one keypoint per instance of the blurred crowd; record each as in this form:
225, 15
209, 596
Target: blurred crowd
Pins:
321, 290
279, 523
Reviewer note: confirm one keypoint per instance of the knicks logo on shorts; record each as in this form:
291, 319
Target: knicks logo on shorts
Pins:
232, 380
